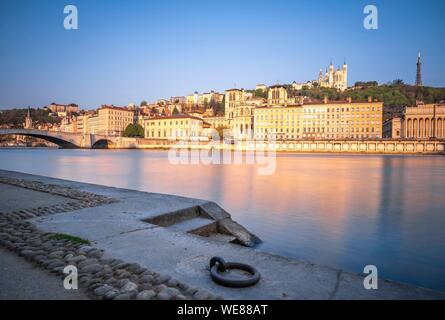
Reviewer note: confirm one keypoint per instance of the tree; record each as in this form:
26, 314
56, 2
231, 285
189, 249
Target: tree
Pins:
260, 93
133, 131
175, 111
16, 117
366, 84
144, 103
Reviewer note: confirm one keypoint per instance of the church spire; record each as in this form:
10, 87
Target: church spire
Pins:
28, 120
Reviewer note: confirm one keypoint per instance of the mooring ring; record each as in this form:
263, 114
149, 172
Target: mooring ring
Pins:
218, 266
221, 263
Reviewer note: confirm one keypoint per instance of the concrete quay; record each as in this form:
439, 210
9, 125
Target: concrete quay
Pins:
175, 236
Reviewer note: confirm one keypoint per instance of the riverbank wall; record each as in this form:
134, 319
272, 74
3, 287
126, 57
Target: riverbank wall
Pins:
314, 146
154, 246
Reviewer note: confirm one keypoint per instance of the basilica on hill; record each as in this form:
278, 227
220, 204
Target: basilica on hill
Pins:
337, 79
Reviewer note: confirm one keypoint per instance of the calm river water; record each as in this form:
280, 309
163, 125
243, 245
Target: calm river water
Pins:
344, 211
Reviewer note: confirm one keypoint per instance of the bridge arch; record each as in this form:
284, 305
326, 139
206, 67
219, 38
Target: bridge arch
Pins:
44, 136
103, 144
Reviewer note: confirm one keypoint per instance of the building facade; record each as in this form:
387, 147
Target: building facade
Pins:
424, 122
239, 113
325, 120
63, 108
109, 120
216, 122
181, 127
114, 120
277, 95
203, 99
392, 128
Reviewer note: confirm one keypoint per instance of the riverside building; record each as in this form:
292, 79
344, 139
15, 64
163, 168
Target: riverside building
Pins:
182, 127
424, 121
109, 120
320, 120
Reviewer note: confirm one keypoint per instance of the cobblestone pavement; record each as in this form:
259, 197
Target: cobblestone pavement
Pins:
100, 275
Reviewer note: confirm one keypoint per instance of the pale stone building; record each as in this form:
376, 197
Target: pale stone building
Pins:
392, 128
203, 99
109, 120
89, 124
337, 79
65, 108
68, 124
180, 127
277, 95
239, 114
114, 120
424, 121
261, 87
242, 122
278, 123
299, 86
216, 122
320, 120
234, 99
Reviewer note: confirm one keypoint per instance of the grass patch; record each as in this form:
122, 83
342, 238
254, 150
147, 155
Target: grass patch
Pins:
62, 236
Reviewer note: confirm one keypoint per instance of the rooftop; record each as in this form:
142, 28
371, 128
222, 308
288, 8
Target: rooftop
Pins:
179, 116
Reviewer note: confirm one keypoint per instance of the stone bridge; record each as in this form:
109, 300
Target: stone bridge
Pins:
66, 139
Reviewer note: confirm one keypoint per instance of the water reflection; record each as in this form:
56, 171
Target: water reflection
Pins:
345, 211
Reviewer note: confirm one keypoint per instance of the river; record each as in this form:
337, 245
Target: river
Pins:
344, 211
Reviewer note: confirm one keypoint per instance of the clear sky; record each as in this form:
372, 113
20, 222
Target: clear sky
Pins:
128, 51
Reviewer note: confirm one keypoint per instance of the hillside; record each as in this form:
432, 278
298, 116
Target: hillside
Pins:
16, 117
395, 96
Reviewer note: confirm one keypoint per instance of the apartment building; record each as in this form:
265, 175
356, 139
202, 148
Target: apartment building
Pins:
180, 127
321, 120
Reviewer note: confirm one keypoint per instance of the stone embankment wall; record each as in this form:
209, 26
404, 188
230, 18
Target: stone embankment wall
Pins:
321, 146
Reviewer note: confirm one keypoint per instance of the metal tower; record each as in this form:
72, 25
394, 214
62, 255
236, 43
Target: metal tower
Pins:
419, 72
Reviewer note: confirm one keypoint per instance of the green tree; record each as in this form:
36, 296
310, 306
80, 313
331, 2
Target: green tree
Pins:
175, 111
260, 93
398, 82
144, 103
133, 131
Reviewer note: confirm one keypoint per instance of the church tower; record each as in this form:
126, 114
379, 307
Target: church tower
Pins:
28, 120
345, 76
419, 72
331, 75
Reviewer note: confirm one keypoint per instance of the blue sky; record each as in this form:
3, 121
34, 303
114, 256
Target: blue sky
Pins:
128, 51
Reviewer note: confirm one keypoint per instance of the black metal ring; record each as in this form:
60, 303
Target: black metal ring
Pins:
218, 276
221, 263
